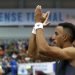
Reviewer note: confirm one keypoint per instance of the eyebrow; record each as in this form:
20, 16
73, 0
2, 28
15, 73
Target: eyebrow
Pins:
56, 33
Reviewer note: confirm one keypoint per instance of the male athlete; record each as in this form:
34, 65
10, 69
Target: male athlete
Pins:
63, 38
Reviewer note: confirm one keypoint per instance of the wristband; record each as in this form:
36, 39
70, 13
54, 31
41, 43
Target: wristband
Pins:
33, 31
38, 26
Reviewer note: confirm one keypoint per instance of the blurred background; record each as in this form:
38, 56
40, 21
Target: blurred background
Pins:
17, 20
32, 3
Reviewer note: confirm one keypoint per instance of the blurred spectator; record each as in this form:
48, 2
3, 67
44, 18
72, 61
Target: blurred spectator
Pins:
27, 59
14, 66
1, 51
1, 70
5, 65
20, 43
14, 55
23, 59
26, 45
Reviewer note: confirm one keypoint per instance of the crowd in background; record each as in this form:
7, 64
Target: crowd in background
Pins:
16, 49
12, 53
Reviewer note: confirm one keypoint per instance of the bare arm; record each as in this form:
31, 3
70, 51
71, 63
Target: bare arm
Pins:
32, 52
54, 52
44, 58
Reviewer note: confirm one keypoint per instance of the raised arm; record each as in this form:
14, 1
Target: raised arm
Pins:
33, 52
53, 52
32, 48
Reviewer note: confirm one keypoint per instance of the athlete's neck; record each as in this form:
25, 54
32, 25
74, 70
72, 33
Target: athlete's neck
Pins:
67, 44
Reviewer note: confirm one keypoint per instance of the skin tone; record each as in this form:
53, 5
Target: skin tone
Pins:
32, 49
64, 49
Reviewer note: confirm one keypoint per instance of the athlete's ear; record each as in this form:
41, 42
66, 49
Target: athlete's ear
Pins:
65, 37
74, 43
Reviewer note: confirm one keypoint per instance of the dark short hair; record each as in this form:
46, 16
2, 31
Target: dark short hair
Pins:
69, 26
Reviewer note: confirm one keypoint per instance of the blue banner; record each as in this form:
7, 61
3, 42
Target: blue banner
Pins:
25, 17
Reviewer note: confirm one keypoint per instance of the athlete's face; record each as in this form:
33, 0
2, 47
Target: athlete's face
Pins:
58, 36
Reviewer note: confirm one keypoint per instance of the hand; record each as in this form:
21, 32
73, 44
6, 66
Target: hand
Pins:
38, 14
41, 17
45, 18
